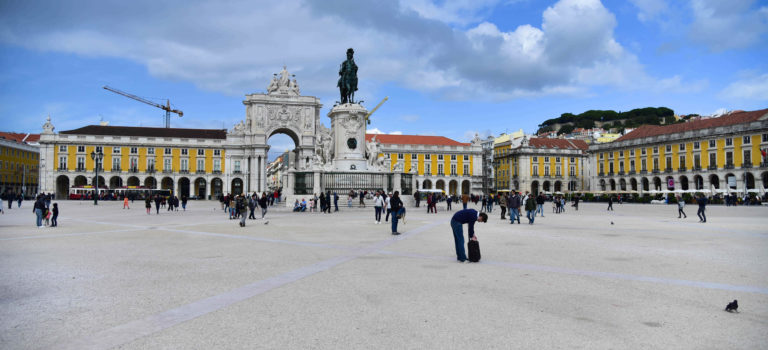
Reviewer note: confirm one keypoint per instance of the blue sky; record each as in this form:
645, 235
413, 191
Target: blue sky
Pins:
451, 68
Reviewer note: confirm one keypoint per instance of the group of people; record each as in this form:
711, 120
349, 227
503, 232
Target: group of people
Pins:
18, 198
237, 206
44, 212
392, 204
160, 201
323, 202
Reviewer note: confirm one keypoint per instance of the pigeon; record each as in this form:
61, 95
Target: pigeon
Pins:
732, 307
611, 222
266, 222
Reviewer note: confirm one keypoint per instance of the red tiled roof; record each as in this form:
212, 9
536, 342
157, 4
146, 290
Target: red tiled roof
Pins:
149, 132
415, 140
17, 137
543, 142
739, 117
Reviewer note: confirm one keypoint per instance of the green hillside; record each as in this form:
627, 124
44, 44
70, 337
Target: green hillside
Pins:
610, 119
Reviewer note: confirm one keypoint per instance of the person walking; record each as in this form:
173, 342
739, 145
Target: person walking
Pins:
514, 208
241, 205
702, 201
576, 202
125, 203
530, 209
540, 204
397, 210
263, 201
610, 203
37, 208
388, 205
19, 199
464, 200
335, 201
157, 204
503, 206
251, 207
417, 197
184, 202
148, 203
448, 202
362, 199
680, 206
55, 217
469, 217
378, 203
429, 203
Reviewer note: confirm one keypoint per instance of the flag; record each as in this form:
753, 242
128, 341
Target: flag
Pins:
763, 152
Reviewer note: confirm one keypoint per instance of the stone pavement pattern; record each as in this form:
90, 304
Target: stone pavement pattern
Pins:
113, 278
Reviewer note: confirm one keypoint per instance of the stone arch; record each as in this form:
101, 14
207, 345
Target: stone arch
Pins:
633, 184
183, 187
427, 185
669, 183
453, 187
714, 181
646, 185
656, 183
102, 181
613, 184
465, 187
237, 186
150, 182
217, 188
534, 188
749, 181
199, 188
440, 185
622, 184
81, 180
546, 186
115, 182
728, 181
166, 183
602, 184
698, 182
684, 183
62, 187
558, 186
764, 177
133, 181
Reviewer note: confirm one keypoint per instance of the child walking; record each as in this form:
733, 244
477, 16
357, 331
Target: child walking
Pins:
125, 203
55, 211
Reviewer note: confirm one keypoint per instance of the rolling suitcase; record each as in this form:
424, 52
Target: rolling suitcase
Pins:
474, 251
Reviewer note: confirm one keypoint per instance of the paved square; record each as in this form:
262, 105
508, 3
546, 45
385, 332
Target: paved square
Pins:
113, 278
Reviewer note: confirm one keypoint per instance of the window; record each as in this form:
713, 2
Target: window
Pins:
115, 163
669, 148
729, 141
440, 168
696, 145
399, 156
151, 150
655, 164
729, 158
184, 152
557, 159
747, 157
466, 169
601, 156
134, 164
414, 156
80, 163
200, 165
681, 147
713, 159
610, 167
62, 162
81, 149
200, 152
546, 159
167, 151
621, 166
746, 140
536, 159
656, 150
115, 150
546, 170
62, 148
453, 157
668, 162
134, 150
536, 170
167, 167
697, 161
682, 162
427, 156
712, 144
573, 171
557, 171
631, 165
427, 168
765, 137
643, 151
632, 153
150, 164
466, 157
573, 160
216, 152
237, 166
216, 164
439, 157
453, 169
184, 165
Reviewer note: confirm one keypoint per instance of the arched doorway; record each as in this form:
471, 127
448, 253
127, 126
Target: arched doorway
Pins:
602, 185
534, 188
465, 187
670, 182
622, 185
613, 184
237, 186
749, 180
80, 181
573, 186
427, 185
646, 184
657, 183
558, 186
183, 187
283, 149
166, 183
764, 176
516, 185
453, 185
62, 187
684, 183
217, 188
200, 185
633, 184
545, 186
134, 181
102, 181
115, 182
714, 181
730, 181
698, 182
440, 185
150, 182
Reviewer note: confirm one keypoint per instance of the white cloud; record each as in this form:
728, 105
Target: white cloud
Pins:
410, 117
396, 133
724, 25
750, 88
374, 131
650, 9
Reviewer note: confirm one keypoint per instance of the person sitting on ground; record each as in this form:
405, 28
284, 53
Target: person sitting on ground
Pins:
296, 206
303, 204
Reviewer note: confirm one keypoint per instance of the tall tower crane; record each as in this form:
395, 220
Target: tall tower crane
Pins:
166, 108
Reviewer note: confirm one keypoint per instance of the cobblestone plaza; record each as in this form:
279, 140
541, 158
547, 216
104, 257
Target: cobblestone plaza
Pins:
635, 278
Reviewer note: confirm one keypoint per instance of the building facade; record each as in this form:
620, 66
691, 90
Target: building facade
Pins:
436, 162
19, 163
716, 155
537, 164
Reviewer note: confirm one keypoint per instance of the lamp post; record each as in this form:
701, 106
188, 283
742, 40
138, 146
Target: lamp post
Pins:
97, 157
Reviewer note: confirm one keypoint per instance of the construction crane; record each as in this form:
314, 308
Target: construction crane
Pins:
166, 108
367, 116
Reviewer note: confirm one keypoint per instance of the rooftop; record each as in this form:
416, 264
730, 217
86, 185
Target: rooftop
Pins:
739, 117
543, 142
415, 140
149, 132
18, 137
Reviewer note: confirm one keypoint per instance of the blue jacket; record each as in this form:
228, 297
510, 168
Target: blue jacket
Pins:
466, 216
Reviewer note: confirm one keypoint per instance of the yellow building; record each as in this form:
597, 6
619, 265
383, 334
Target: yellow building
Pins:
19, 162
714, 155
436, 162
539, 164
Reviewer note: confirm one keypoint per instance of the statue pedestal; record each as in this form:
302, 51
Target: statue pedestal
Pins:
348, 131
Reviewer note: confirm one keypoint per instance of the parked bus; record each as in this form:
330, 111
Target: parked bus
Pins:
139, 192
86, 192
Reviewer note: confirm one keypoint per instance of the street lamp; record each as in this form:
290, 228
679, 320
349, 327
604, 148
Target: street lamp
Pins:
97, 157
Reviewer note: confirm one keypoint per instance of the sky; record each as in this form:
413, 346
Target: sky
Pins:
454, 68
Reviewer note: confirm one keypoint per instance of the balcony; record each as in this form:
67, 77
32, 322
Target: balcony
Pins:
643, 172
764, 165
80, 168
668, 170
534, 175
631, 172
697, 168
729, 166
184, 171
601, 174
167, 171
746, 165
610, 173
236, 172
682, 168
134, 170
217, 172
656, 171
621, 172
712, 167
200, 172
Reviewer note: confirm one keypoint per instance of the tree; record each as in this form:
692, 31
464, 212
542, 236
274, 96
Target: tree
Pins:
566, 129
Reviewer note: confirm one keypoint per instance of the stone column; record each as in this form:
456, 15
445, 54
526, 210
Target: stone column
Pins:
348, 132
396, 179
288, 184
316, 183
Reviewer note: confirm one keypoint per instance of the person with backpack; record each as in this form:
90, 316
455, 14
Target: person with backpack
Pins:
530, 208
469, 217
702, 201
397, 211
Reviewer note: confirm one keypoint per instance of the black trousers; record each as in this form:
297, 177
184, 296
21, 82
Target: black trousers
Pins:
680, 212
503, 211
251, 216
701, 215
